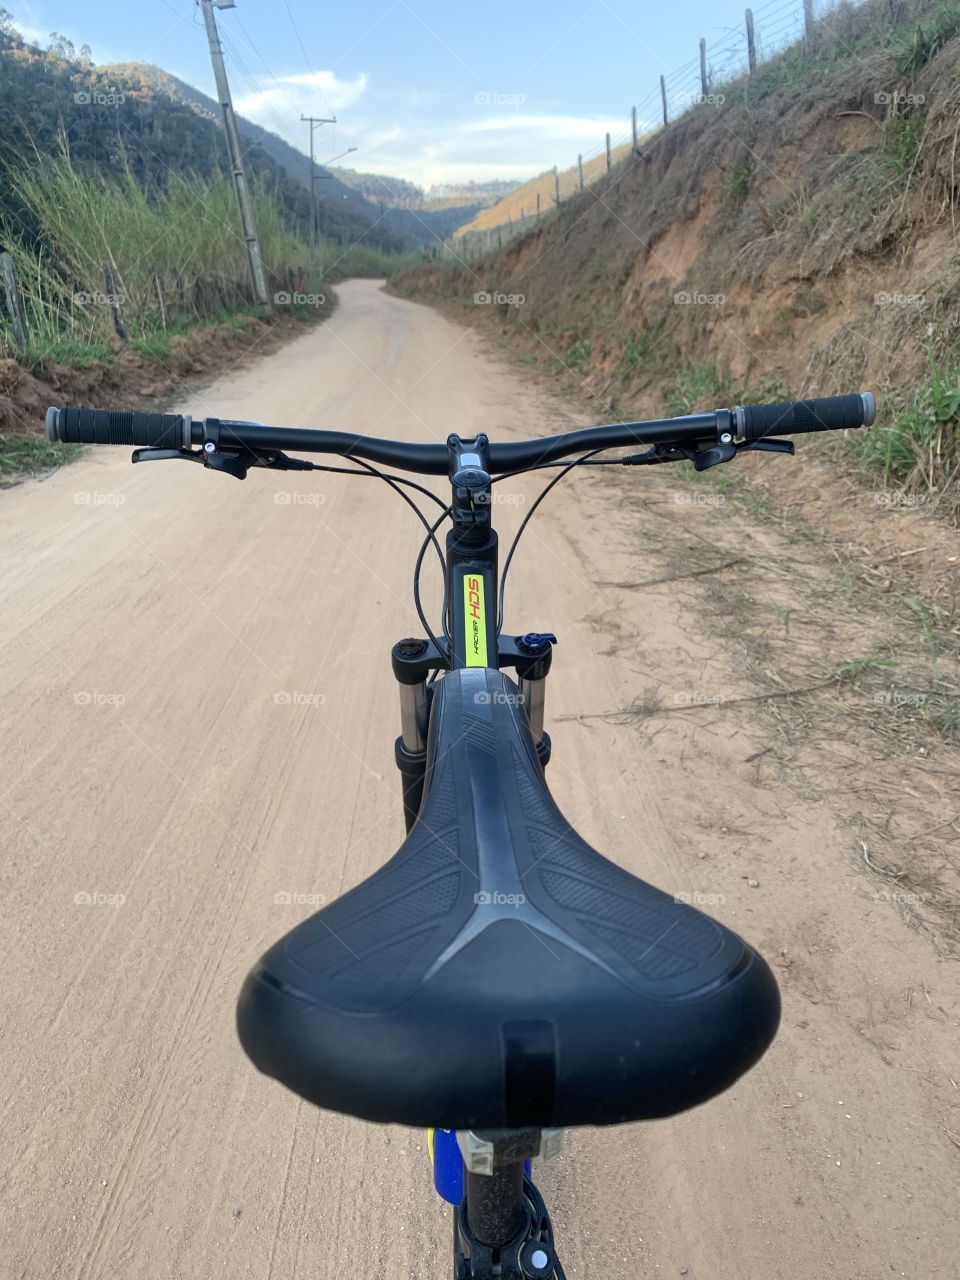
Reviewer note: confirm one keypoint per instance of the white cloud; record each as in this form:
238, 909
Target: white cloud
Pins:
295, 94
546, 126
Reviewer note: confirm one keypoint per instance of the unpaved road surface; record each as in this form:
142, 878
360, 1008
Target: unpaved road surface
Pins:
199, 719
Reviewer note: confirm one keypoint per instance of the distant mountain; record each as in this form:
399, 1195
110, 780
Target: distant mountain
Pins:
380, 202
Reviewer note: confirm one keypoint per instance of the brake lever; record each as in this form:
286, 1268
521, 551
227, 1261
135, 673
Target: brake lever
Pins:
162, 455
703, 459
770, 446
235, 464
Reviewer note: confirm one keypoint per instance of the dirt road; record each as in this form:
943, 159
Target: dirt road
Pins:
199, 718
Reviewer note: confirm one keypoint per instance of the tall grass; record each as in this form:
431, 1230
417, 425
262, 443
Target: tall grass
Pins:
181, 244
920, 449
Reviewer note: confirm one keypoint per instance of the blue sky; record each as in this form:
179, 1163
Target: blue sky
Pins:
429, 91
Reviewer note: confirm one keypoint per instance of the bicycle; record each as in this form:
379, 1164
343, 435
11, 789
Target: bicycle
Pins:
497, 980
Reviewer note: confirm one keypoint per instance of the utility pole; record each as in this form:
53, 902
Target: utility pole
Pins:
313, 121
248, 223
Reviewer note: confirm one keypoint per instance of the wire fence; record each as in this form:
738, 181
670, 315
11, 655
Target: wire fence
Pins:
766, 31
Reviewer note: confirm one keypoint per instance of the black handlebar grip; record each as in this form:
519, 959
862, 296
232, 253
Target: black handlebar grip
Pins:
827, 413
106, 426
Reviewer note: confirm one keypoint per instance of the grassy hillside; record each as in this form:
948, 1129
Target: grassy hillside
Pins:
522, 201
802, 236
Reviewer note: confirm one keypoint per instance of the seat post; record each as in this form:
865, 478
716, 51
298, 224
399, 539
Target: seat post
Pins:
493, 1215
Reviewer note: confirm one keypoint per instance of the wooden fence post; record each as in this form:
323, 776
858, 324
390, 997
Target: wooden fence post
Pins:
163, 309
113, 297
808, 21
609, 157
633, 126
703, 67
538, 204
751, 43
18, 319
663, 97
580, 170
556, 185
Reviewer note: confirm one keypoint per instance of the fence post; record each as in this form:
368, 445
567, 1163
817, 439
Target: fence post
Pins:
633, 126
18, 319
580, 170
538, 204
113, 298
556, 185
703, 67
751, 43
163, 310
663, 96
808, 21
609, 157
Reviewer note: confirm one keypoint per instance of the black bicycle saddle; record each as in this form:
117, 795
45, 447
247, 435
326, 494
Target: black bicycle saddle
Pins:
497, 972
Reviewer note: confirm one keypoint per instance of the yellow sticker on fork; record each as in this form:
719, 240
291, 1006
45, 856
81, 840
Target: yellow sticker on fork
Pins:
475, 620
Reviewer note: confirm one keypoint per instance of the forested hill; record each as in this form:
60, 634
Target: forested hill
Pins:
113, 120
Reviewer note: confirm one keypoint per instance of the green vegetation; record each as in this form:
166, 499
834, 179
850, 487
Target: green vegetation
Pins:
697, 384
902, 142
578, 354
112, 191
639, 345
738, 180
927, 39
919, 449
26, 455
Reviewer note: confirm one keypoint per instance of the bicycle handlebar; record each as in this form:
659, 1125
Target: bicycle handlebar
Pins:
828, 413
178, 431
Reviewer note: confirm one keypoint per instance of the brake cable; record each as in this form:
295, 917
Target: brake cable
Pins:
395, 482
567, 468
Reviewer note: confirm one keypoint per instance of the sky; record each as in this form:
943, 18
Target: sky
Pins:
427, 90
